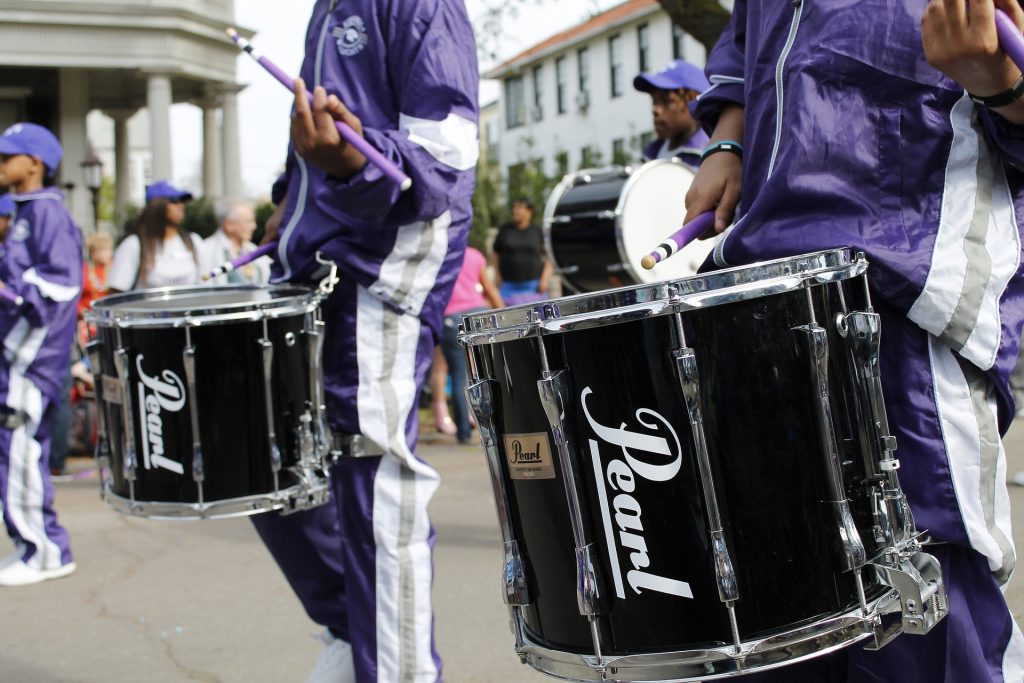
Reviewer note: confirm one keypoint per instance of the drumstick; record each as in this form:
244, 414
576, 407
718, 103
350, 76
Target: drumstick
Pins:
353, 138
10, 297
1010, 38
234, 264
679, 239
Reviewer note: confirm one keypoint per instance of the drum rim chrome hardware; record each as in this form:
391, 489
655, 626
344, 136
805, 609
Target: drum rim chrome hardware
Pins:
117, 311
838, 631
295, 498
121, 357
719, 287
267, 350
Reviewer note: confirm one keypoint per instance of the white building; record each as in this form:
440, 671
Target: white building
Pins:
61, 60
569, 100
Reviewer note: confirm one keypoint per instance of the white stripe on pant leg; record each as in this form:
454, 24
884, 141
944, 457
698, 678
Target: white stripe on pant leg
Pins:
962, 436
387, 344
25, 490
1013, 659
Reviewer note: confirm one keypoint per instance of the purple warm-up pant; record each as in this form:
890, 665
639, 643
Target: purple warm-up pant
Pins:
953, 471
362, 564
26, 491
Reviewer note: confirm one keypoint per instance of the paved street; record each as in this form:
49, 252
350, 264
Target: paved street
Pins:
162, 602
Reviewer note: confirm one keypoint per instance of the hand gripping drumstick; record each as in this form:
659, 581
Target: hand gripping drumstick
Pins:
1010, 38
350, 136
679, 239
237, 263
10, 297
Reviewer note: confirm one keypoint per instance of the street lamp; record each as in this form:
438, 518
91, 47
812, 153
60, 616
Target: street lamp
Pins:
92, 169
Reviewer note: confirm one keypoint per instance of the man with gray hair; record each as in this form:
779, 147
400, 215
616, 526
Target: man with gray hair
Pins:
237, 222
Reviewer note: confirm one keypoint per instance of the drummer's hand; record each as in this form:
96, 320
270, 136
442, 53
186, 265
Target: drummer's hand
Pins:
961, 42
316, 136
272, 228
717, 186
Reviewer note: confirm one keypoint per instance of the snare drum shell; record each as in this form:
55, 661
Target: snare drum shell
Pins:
769, 474
231, 404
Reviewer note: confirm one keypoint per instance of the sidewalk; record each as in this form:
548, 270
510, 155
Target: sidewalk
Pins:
166, 602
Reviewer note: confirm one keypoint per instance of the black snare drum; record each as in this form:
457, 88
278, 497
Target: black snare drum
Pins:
695, 478
599, 224
211, 400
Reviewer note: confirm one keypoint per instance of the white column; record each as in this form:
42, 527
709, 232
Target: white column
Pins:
233, 185
213, 166
74, 106
122, 157
158, 99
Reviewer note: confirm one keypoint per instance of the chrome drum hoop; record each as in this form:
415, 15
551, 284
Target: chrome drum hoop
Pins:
292, 499
783, 649
719, 287
199, 305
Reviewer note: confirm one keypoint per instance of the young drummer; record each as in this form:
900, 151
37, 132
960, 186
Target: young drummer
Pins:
844, 131
43, 265
403, 74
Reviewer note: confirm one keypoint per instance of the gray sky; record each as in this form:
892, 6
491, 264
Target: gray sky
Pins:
264, 105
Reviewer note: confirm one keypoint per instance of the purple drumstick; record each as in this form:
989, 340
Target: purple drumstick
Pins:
238, 262
679, 239
10, 297
390, 170
1010, 38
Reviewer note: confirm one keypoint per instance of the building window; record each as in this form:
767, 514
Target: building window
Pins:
677, 42
561, 84
589, 157
538, 94
643, 47
515, 102
562, 163
615, 64
583, 64
620, 156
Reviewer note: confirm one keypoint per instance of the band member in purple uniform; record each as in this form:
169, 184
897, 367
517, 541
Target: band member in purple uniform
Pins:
404, 75
43, 266
673, 90
848, 136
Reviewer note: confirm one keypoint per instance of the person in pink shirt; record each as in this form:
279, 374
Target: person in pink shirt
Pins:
474, 291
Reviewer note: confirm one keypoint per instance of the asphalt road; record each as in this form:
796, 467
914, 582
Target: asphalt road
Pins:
166, 602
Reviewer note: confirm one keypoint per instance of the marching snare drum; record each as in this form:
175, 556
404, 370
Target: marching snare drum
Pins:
695, 478
210, 401
599, 224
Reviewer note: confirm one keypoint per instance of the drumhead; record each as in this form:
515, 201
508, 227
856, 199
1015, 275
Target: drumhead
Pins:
173, 306
611, 306
651, 207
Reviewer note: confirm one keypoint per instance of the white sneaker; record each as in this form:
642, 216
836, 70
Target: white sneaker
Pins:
20, 574
1017, 479
335, 664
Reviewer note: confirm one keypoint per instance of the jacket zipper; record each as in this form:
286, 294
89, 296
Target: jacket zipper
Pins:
282, 250
780, 68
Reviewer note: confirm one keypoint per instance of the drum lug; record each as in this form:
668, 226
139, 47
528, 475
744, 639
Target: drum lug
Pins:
481, 396
267, 348
815, 343
315, 339
917, 578
553, 388
728, 588
92, 350
189, 360
130, 461
863, 341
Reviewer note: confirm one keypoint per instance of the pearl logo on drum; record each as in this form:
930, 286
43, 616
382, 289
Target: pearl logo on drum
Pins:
655, 455
529, 456
165, 394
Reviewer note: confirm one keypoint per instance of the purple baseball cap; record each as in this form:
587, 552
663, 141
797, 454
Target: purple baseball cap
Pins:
164, 190
35, 141
7, 206
675, 75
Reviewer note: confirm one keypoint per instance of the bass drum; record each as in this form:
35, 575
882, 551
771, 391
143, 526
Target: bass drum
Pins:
599, 224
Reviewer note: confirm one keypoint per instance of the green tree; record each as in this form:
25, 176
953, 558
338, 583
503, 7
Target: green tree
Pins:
487, 205
200, 217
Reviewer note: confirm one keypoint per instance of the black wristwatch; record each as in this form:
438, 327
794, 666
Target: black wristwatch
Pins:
1002, 99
